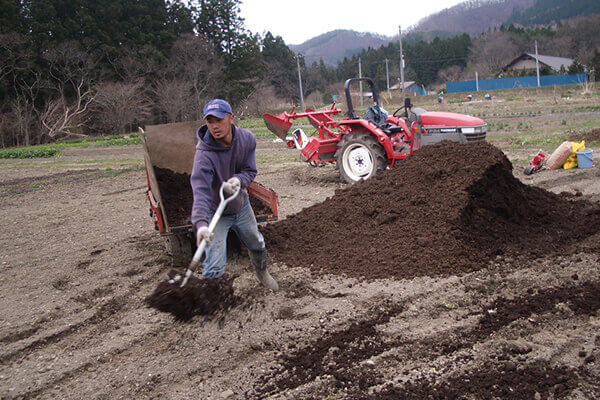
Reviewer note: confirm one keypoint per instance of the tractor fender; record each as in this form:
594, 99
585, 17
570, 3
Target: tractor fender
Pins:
361, 125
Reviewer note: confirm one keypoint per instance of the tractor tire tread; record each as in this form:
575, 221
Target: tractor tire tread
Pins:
370, 142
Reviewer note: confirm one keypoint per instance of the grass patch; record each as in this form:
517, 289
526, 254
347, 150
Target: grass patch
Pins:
292, 155
111, 172
587, 108
250, 123
104, 141
498, 126
54, 149
263, 133
29, 152
545, 142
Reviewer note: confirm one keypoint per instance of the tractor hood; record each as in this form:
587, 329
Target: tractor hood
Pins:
446, 119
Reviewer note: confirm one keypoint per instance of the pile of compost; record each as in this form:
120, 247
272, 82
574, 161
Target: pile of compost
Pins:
178, 198
198, 297
176, 194
447, 209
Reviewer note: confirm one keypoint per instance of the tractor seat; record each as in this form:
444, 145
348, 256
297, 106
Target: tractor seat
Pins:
376, 115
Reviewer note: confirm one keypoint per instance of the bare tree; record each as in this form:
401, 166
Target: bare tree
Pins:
71, 77
135, 63
17, 124
491, 52
262, 98
172, 98
118, 105
451, 74
5, 129
194, 60
61, 118
24, 125
12, 53
23, 118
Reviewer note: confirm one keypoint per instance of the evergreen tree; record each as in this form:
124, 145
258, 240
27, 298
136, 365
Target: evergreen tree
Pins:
11, 17
180, 18
220, 23
281, 65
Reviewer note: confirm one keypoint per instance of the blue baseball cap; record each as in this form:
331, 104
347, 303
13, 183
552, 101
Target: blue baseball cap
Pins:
217, 107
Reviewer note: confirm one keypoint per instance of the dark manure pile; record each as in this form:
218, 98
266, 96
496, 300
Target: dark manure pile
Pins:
198, 297
446, 209
176, 194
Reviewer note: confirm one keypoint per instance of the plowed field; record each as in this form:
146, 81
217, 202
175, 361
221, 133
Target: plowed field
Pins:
453, 277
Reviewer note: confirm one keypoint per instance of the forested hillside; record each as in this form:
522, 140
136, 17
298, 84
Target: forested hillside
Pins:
544, 12
86, 67
77, 67
473, 16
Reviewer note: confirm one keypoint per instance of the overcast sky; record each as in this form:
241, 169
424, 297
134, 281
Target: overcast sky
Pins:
298, 21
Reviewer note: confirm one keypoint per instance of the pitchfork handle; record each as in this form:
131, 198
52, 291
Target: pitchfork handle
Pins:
211, 227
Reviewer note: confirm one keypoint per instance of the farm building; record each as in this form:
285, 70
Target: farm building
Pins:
526, 62
411, 88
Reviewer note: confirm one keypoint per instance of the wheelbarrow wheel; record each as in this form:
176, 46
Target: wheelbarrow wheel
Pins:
181, 249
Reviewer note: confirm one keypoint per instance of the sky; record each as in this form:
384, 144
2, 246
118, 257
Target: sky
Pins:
298, 21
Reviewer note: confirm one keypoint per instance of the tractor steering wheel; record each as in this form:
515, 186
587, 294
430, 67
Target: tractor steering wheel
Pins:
400, 109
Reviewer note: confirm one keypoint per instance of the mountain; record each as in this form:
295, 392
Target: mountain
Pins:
473, 16
476, 16
545, 12
335, 45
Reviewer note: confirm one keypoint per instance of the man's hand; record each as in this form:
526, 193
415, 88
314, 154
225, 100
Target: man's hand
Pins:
231, 186
204, 234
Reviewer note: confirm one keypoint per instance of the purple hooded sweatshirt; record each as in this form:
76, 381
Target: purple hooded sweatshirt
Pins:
215, 164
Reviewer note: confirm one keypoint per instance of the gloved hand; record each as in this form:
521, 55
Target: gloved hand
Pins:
231, 186
204, 234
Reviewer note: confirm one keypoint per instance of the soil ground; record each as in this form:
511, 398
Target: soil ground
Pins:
80, 255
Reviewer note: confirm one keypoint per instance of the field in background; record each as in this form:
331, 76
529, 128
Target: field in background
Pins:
80, 255
537, 118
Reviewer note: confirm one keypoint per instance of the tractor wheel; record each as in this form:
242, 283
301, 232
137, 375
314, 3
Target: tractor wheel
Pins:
179, 247
360, 156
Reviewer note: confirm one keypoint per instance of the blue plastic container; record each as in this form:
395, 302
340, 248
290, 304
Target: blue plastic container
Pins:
584, 159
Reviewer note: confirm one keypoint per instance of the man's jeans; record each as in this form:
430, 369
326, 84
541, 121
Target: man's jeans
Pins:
244, 224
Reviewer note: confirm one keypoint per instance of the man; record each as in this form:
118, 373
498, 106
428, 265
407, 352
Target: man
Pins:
225, 154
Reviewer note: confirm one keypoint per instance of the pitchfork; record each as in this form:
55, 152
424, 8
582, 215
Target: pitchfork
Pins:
200, 250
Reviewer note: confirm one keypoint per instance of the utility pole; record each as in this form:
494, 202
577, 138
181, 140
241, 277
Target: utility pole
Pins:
300, 82
476, 81
537, 65
387, 77
401, 60
360, 82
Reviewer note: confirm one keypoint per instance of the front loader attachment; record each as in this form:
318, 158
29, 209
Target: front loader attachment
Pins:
280, 125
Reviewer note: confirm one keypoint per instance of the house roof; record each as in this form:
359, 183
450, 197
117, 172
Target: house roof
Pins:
553, 62
407, 84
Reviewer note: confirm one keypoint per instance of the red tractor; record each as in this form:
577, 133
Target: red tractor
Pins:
362, 146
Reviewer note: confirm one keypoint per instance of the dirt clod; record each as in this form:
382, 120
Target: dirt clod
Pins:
197, 297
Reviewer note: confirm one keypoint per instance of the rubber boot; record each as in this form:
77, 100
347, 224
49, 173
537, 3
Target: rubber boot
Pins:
259, 262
